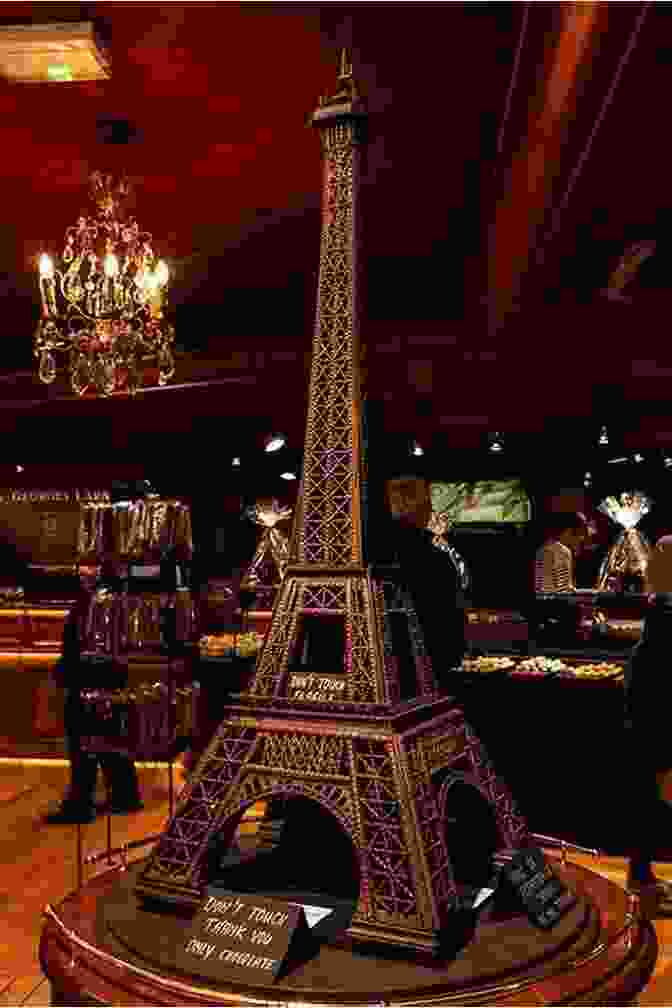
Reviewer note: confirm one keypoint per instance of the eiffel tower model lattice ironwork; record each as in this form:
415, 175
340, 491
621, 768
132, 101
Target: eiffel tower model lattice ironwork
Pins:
340, 732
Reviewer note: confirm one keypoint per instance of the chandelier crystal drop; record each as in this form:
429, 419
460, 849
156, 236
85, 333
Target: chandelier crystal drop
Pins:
102, 303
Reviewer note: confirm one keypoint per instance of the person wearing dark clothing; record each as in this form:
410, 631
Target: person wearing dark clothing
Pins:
647, 727
428, 573
74, 674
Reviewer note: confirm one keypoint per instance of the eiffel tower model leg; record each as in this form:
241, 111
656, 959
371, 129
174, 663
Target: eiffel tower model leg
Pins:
324, 718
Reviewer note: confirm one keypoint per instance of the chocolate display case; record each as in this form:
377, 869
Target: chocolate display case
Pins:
65, 533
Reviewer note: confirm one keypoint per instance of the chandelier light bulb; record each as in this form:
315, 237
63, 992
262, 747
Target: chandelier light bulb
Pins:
150, 284
111, 265
161, 273
46, 266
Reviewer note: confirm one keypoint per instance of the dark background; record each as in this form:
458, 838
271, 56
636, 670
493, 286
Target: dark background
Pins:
206, 113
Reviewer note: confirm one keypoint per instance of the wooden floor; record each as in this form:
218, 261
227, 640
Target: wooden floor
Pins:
38, 866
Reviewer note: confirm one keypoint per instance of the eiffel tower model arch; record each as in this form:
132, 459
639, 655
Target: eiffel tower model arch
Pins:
325, 716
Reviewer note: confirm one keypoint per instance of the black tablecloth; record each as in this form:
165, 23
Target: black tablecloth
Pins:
562, 748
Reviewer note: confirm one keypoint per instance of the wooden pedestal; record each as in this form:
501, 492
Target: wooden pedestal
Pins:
607, 960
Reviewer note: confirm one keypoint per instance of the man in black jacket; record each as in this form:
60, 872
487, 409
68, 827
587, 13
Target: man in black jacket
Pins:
75, 674
428, 572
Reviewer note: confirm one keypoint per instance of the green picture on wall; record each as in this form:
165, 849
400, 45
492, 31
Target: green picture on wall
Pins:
485, 501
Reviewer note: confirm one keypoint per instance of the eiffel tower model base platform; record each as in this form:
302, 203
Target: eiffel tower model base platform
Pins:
102, 946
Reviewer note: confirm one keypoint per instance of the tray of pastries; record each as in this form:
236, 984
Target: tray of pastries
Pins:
487, 663
538, 668
594, 671
228, 644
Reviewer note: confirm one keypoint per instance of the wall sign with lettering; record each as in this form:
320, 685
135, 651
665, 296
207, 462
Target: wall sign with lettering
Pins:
236, 935
309, 686
544, 896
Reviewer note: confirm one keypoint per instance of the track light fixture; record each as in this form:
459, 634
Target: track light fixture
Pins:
496, 442
604, 436
274, 442
417, 449
667, 462
637, 457
235, 462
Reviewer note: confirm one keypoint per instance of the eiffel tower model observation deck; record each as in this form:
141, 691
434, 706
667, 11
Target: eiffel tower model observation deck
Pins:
323, 717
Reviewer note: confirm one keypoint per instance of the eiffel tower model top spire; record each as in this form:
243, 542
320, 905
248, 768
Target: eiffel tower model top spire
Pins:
328, 530
328, 715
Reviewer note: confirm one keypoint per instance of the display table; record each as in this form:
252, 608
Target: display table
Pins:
562, 747
599, 954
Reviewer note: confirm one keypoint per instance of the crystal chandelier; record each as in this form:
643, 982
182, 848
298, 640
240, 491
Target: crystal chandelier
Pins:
102, 304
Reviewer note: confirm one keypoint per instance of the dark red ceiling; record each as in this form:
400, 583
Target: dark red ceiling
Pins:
227, 178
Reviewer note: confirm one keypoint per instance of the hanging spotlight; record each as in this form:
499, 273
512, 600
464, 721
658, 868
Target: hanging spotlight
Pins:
417, 449
288, 476
235, 462
19, 469
604, 436
496, 442
274, 442
667, 462
637, 457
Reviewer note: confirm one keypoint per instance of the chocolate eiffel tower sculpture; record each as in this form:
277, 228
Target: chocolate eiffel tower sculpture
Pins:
340, 732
